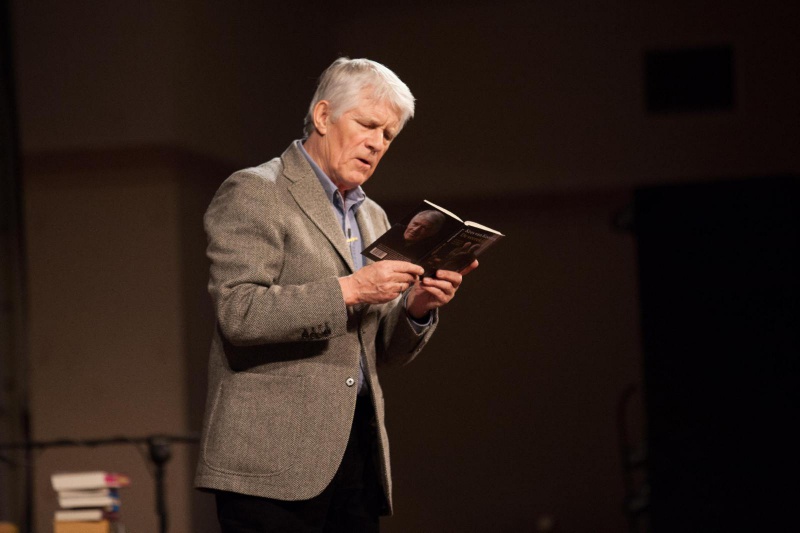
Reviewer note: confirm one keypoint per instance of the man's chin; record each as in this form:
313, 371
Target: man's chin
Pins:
356, 181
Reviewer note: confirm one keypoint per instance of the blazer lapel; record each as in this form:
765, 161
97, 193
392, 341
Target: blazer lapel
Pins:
310, 196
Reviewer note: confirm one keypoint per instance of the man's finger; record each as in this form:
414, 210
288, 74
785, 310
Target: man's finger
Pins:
469, 268
450, 276
442, 284
405, 266
436, 292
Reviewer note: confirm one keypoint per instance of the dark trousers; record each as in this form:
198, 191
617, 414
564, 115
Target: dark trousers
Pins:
351, 503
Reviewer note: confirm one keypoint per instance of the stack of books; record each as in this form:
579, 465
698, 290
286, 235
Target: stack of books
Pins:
89, 502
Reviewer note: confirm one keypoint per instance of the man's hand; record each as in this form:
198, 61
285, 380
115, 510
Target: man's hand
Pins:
430, 293
379, 282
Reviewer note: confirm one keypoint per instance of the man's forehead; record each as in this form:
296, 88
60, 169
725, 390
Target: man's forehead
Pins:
369, 105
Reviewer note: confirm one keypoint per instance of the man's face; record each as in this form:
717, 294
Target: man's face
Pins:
353, 145
419, 228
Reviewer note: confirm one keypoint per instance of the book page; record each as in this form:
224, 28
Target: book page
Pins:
443, 210
481, 226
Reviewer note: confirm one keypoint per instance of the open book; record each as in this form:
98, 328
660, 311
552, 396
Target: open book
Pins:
434, 238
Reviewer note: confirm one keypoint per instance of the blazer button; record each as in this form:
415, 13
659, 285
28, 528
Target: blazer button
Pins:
350, 382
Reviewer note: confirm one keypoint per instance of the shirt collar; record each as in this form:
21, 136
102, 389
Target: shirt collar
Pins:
354, 197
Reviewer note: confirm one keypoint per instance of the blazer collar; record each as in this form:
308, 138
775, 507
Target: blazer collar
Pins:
311, 198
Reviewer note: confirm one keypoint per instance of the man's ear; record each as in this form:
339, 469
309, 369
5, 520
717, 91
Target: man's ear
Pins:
322, 116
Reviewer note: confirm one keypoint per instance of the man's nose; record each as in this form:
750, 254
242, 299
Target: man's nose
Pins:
375, 141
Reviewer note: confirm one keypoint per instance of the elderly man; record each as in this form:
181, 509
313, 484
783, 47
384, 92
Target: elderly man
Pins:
294, 436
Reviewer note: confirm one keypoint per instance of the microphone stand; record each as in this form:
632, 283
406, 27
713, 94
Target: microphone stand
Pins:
159, 452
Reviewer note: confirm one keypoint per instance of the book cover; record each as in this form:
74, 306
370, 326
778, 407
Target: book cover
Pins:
434, 238
88, 480
101, 526
84, 515
110, 503
82, 493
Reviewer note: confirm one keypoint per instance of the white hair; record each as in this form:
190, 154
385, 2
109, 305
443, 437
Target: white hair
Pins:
342, 84
436, 217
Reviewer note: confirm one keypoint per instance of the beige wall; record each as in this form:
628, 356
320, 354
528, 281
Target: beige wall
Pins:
106, 346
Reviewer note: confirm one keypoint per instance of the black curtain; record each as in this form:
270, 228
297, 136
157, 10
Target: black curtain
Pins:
14, 490
719, 268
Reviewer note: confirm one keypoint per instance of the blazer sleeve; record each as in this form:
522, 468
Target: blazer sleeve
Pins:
247, 246
398, 343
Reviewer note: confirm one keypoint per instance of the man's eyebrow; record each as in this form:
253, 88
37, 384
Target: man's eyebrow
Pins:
369, 121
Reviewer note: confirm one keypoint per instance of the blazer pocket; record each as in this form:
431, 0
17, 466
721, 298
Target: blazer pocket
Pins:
254, 424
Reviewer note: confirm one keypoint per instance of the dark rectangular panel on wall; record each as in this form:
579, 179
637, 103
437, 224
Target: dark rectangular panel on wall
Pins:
692, 79
719, 267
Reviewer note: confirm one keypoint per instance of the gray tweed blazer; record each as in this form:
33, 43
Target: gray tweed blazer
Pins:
283, 368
